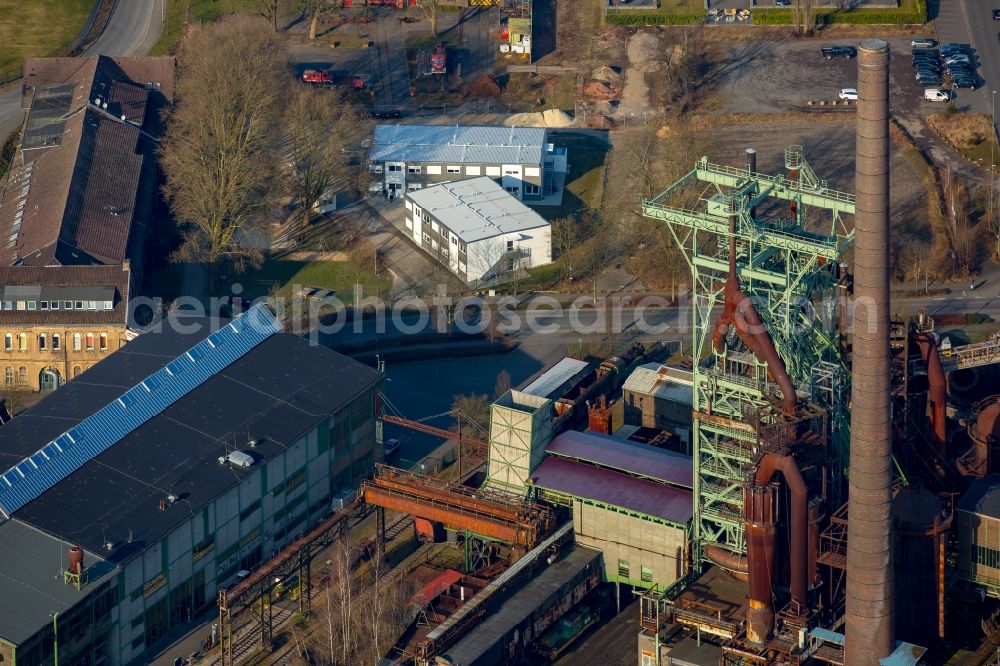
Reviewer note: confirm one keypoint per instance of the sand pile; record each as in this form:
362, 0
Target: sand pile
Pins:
550, 118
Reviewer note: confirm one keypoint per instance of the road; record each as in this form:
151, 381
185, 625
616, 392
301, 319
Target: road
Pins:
133, 28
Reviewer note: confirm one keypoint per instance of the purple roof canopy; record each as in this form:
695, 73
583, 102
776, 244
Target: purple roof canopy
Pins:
630, 457
614, 488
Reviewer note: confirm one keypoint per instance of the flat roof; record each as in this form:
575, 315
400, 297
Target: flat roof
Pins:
476, 209
982, 497
274, 393
458, 144
31, 581
555, 377
662, 382
475, 647
587, 481
633, 458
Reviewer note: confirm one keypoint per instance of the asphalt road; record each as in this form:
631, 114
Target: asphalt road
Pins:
133, 28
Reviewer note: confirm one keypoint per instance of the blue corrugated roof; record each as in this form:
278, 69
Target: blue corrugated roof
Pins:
905, 654
827, 635
446, 144
31, 477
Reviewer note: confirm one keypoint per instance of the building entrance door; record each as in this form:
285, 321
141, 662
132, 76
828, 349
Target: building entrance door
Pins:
49, 380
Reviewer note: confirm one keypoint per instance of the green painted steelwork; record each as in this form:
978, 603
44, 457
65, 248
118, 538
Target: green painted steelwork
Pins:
787, 264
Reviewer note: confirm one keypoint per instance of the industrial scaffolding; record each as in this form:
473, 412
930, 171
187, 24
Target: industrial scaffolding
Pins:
788, 263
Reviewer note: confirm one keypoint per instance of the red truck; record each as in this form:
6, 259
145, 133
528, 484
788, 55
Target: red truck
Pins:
439, 60
317, 77
324, 77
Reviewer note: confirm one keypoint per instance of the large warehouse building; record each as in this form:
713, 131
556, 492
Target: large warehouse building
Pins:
173, 464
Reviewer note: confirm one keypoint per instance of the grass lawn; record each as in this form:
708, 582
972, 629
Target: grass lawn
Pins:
283, 275
522, 90
34, 28
195, 11
681, 6
585, 181
971, 134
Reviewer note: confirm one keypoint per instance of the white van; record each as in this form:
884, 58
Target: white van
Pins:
936, 95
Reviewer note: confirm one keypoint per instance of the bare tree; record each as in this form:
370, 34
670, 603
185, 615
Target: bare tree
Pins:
502, 384
314, 10
564, 236
271, 11
321, 129
430, 9
14, 394
473, 407
961, 233
220, 140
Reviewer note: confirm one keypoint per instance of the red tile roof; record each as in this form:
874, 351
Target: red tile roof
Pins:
73, 193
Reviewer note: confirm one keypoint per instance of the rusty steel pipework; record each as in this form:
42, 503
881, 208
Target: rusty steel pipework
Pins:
869, 609
938, 385
739, 311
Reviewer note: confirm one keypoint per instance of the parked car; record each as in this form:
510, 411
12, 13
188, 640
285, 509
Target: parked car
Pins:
848, 93
936, 95
831, 52
922, 43
390, 447
782, 3
996, 14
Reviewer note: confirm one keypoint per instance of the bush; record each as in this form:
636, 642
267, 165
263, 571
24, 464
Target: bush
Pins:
872, 16
652, 18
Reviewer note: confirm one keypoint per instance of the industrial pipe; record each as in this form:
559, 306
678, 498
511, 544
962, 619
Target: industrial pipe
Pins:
938, 388
868, 618
816, 516
727, 559
799, 510
758, 513
751, 170
739, 310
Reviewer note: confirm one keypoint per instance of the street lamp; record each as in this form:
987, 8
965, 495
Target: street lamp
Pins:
993, 139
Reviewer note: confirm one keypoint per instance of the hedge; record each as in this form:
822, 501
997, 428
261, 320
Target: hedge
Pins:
866, 16
652, 18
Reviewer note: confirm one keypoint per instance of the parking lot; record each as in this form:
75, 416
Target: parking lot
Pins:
777, 77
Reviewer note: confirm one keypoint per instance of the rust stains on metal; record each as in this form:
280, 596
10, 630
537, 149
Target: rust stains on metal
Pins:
869, 604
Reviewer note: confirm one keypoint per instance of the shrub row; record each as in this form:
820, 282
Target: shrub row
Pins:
862, 16
652, 18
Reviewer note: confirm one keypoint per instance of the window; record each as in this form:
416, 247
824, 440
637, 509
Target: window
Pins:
21, 305
513, 190
454, 169
43, 305
987, 557
8, 341
91, 305
22, 375
55, 342
8, 375
32, 305
413, 169
42, 342
108, 305
8, 305
510, 246
623, 568
22, 342
103, 341
395, 167
646, 574
531, 189
434, 226
76, 371
67, 305
79, 305
76, 342
53, 305
90, 342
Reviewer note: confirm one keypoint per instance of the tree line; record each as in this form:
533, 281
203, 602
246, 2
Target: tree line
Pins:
242, 135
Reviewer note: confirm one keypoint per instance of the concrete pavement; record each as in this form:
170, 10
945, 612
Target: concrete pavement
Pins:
132, 29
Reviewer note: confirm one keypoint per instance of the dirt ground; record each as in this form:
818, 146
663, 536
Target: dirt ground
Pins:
774, 77
829, 149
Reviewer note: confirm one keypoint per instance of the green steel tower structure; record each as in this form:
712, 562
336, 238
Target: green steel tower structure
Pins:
789, 238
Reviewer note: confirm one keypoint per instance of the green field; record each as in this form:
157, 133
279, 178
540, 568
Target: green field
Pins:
180, 12
34, 28
280, 276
